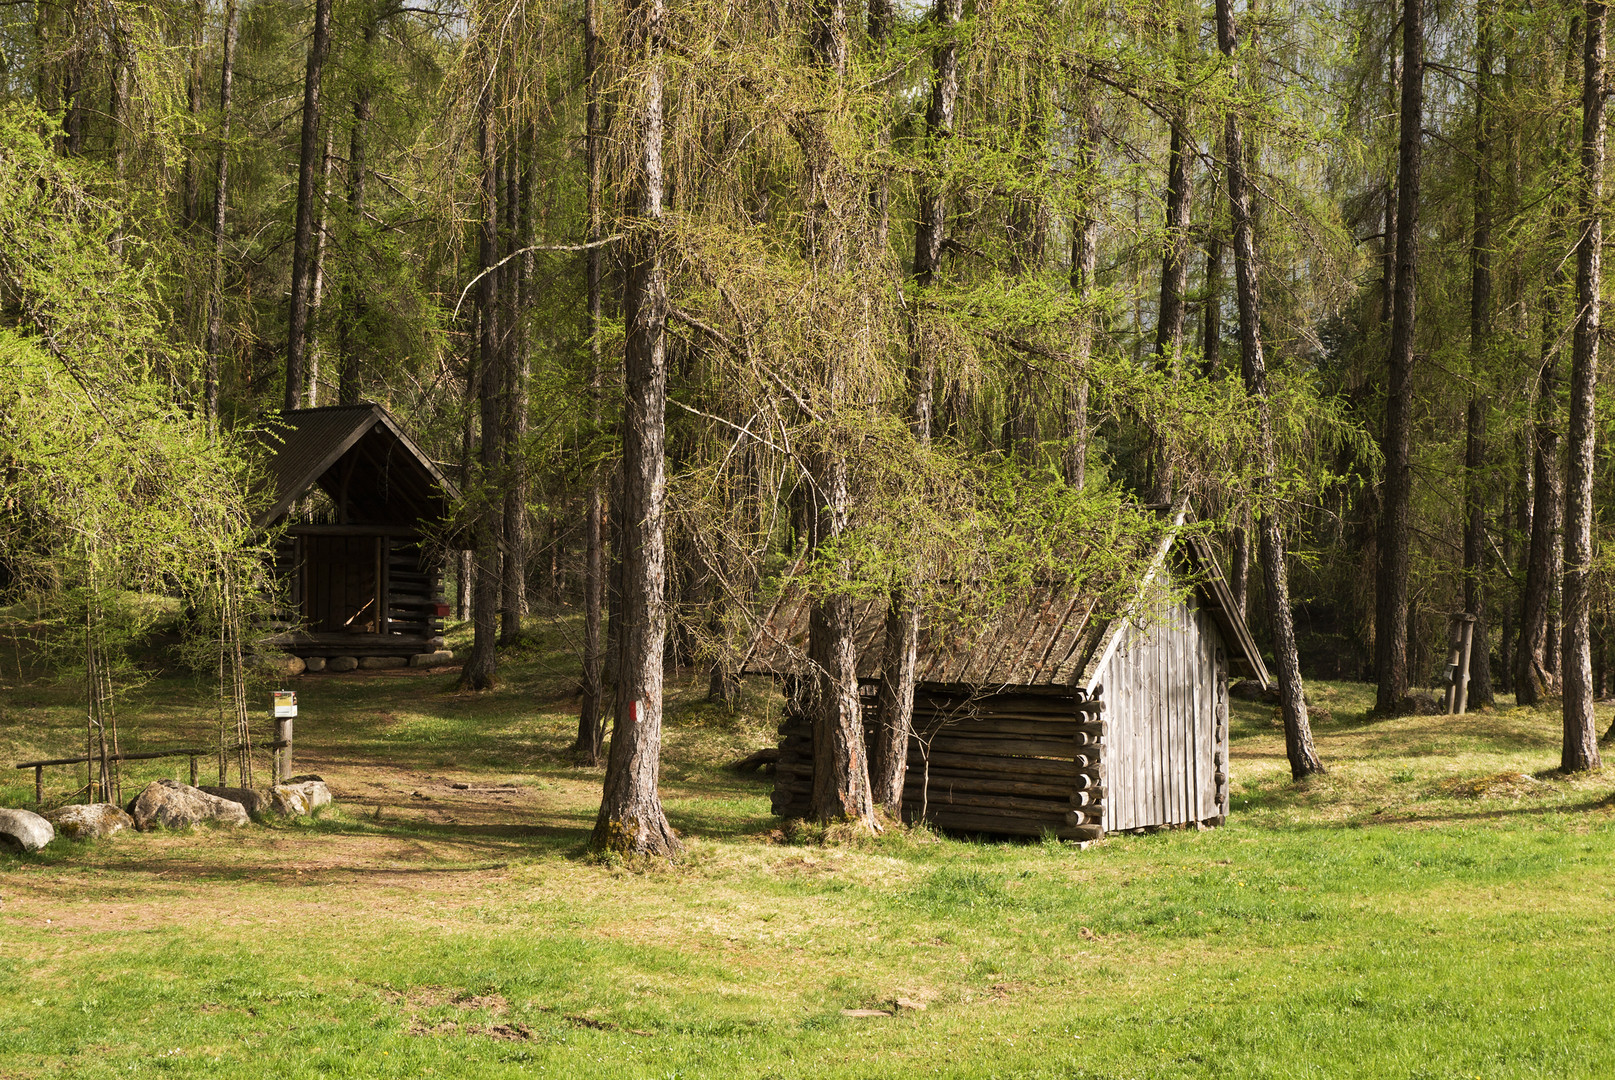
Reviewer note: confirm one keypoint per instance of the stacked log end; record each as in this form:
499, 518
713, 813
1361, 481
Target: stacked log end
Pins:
1018, 764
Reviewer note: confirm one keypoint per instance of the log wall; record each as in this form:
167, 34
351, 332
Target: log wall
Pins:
328, 578
1019, 763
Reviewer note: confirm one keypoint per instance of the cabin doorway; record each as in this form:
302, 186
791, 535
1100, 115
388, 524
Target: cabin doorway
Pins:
344, 584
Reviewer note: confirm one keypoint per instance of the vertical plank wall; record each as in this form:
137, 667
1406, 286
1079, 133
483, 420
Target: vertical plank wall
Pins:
1163, 743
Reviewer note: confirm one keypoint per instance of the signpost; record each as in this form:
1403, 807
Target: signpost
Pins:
285, 708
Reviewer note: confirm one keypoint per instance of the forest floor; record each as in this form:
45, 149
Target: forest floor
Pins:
1438, 905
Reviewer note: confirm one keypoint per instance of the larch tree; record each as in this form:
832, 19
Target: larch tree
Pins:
308, 169
1298, 745
631, 819
1580, 747
1391, 596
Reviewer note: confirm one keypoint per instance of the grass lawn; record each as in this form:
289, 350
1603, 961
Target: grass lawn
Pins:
1416, 913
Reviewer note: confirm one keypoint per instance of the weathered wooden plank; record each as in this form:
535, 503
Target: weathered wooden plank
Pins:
989, 784
943, 796
1025, 766
1009, 745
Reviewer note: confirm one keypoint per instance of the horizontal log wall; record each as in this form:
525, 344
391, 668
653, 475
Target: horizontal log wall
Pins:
1017, 764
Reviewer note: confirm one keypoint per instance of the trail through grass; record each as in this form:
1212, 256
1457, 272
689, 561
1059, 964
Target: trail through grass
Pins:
1439, 905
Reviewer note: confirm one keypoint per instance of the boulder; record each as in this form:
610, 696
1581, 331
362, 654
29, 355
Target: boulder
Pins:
253, 802
24, 830
1251, 690
432, 659
170, 804
314, 663
342, 663
379, 663
296, 799
96, 821
278, 665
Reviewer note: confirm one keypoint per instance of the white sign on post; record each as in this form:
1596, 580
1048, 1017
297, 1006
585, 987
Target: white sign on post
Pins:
285, 703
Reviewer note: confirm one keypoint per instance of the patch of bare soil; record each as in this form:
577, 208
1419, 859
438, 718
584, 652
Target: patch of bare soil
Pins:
1503, 785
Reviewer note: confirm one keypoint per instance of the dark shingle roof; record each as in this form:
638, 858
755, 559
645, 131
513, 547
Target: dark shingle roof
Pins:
358, 451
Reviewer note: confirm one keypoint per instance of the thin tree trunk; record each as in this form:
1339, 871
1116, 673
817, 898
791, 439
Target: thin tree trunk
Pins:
1396, 522
888, 762
1580, 750
1084, 261
1211, 313
316, 288
192, 183
465, 570
1292, 700
514, 606
1239, 563
591, 718
631, 817
303, 236
1532, 678
482, 666
1480, 338
1174, 283
350, 376
221, 184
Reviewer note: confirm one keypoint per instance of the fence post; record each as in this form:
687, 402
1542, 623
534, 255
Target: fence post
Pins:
39, 785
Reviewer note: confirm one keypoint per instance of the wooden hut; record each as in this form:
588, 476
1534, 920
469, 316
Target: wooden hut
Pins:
358, 498
1050, 717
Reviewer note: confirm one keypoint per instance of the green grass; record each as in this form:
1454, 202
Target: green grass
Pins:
1439, 905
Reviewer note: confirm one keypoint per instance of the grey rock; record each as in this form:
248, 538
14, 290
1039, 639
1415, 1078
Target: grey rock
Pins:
432, 659
96, 821
301, 778
379, 663
300, 798
342, 663
1251, 690
279, 665
314, 663
253, 802
24, 830
170, 804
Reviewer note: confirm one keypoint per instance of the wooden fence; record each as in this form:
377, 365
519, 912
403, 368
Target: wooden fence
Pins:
1016, 763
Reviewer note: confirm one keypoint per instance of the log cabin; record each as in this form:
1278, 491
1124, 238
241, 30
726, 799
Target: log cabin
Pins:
360, 575
1049, 717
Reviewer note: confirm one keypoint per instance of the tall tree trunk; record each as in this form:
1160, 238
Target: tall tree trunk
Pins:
631, 817
1396, 521
316, 287
1174, 283
1084, 261
1480, 338
841, 785
482, 666
1292, 700
518, 184
888, 762
591, 718
1239, 563
465, 569
1533, 680
303, 235
1580, 750
1211, 313
350, 377
192, 182
221, 185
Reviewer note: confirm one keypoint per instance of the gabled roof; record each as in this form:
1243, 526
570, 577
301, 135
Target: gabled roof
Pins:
1051, 637
362, 459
